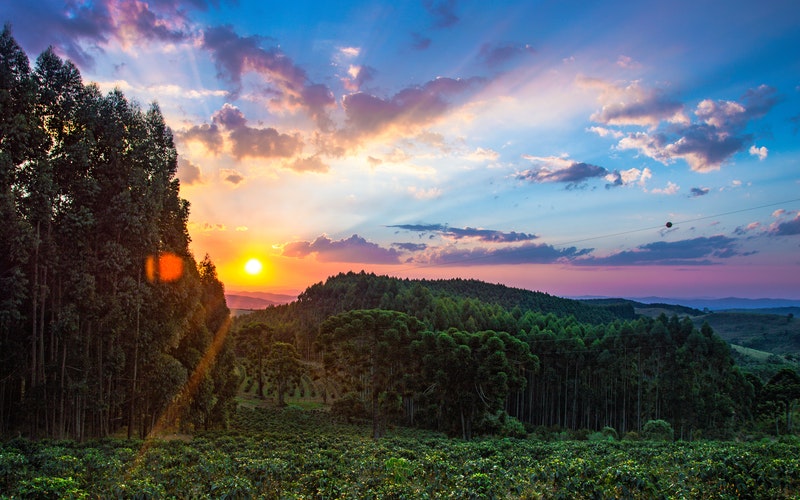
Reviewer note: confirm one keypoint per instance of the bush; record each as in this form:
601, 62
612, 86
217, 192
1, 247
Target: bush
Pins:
350, 408
657, 430
610, 433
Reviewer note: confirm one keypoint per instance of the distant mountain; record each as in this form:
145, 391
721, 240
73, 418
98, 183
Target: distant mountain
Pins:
723, 303
256, 300
713, 304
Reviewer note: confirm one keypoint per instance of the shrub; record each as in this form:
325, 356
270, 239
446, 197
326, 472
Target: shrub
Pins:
657, 430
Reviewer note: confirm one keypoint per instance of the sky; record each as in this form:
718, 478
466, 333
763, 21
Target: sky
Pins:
543, 145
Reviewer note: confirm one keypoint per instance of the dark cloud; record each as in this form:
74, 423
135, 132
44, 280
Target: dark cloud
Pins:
442, 11
692, 252
410, 247
352, 249
497, 55
264, 143
569, 172
631, 104
789, 228
484, 235
367, 114
420, 42
79, 30
364, 74
235, 55
245, 141
234, 178
209, 135
188, 172
529, 253
697, 192
707, 143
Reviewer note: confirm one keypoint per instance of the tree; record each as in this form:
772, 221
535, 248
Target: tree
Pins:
254, 339
368, 352
284, 370
783, 391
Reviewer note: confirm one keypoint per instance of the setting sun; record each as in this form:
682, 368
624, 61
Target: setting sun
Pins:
253, 266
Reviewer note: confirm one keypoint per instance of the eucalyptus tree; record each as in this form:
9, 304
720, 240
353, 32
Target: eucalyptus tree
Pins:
368, 351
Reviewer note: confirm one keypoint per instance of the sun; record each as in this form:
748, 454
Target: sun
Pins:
253, 266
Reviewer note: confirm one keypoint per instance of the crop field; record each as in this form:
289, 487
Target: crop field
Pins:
296, 453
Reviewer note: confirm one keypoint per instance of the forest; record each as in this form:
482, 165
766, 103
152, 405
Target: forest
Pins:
104, 315
429, 354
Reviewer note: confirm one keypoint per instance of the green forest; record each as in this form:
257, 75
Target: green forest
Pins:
123, 373
105, 314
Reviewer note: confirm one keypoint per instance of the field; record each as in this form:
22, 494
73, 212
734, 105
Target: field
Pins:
296, 453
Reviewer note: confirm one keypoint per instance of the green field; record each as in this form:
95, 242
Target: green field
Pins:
296, 453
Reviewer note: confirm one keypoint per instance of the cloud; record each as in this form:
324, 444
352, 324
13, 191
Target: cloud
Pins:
628, 177
706, 144
627, 62
529, 253
606, 132
481, 154
788, 228
408, 109
483, 235
697, 192
761, 152
493, 55
234, 56
310, 164
358, 76
701, 251
410, 247
741, 231
244, 141
420, 42
632, 104
208, 135
425, 194
560, 169
70, 26
352, 249
231, 176
188, 172
442, 11
671, 189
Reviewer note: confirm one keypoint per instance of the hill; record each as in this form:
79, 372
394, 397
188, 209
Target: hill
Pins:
467, 357
773, 333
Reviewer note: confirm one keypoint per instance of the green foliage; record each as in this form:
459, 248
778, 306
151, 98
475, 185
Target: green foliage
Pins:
92, 338
485, 348
287, 453
658, 430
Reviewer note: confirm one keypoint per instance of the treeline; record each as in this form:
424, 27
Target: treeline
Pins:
406, 351
104, 314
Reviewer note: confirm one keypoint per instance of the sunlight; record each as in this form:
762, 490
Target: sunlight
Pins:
253, 267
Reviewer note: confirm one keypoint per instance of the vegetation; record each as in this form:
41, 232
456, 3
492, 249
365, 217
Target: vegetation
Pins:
491, 365
105, 316
294, 453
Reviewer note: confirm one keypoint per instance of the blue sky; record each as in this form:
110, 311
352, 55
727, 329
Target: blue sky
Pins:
542, 145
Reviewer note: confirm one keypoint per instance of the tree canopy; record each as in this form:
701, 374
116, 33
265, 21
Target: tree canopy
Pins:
105, 315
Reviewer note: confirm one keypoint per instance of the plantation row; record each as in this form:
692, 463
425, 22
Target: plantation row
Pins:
300, 454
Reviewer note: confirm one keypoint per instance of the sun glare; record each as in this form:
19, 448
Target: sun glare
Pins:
253, 266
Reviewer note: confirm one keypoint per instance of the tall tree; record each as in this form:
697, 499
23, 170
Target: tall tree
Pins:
368, 351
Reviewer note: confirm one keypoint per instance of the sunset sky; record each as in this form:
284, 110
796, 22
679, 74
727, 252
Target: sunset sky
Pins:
539, 144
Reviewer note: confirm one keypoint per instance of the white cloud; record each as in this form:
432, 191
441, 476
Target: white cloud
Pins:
761, 152
671, 189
